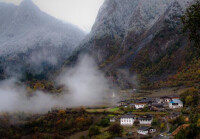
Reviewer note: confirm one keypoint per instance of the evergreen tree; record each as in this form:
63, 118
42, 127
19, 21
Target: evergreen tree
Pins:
191, 21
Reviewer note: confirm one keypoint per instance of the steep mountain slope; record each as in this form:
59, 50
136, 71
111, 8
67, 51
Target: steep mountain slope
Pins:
31, 38
147, 41
28, 27
124, 23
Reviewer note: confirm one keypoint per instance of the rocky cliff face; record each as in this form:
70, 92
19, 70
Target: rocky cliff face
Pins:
120, 25
141, 36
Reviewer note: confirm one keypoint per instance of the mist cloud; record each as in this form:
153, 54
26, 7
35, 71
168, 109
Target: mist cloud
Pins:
127, 79
85, 85
37, 58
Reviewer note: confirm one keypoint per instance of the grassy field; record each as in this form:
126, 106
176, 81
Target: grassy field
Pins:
118, 111
115, 110
95, 110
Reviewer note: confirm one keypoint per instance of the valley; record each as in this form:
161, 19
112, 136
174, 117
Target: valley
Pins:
136, 74
58, 119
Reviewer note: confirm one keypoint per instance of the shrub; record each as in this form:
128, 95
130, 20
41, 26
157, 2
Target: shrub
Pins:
115, 130
155, 122
104, 122
94, 130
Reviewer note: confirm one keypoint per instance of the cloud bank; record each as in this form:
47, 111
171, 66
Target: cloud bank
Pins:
86, 85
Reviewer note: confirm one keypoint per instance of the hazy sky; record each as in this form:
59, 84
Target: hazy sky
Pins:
78, 12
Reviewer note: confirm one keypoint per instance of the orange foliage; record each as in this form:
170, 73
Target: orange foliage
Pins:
61, 112
79, 119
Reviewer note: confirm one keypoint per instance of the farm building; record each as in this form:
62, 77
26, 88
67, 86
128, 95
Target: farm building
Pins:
146, 119
176, 103
146, 130
127, 120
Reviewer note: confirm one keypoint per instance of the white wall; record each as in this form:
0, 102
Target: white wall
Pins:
127, 121
142, 132
145, 122
140, 106
175, 106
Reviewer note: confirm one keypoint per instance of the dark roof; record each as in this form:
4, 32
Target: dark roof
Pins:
144, 101
175, 113
165, 97
121, 101
144, 128
128, 116
146, 117
174, 103
158, 105
124, 101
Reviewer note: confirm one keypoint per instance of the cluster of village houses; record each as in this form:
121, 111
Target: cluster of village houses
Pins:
129, 120
155, 104
145, 121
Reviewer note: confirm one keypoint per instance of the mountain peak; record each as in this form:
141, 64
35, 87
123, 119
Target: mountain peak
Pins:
28, 4
26, 26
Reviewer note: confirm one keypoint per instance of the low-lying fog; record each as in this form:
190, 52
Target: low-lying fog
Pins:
85, 83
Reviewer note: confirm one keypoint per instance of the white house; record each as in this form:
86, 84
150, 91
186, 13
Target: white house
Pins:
113, 119
124, 103
152, 130
142, 103
127, 120
143, 130
175, 103
175, 97
165, 99
146, 130
145, 120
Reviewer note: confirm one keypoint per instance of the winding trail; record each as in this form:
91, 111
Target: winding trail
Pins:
167, 136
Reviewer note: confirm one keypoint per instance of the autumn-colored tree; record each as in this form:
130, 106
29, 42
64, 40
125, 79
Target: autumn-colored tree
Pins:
190, 97
198, 123
39, 85
162, 126
188, 100
61, 112
79, 119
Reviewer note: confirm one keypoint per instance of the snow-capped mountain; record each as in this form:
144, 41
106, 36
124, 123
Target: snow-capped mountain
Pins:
31, 39
143, 37
121, 24
25, 27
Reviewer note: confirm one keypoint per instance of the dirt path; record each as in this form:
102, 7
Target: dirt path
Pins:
165, 133
167, 124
